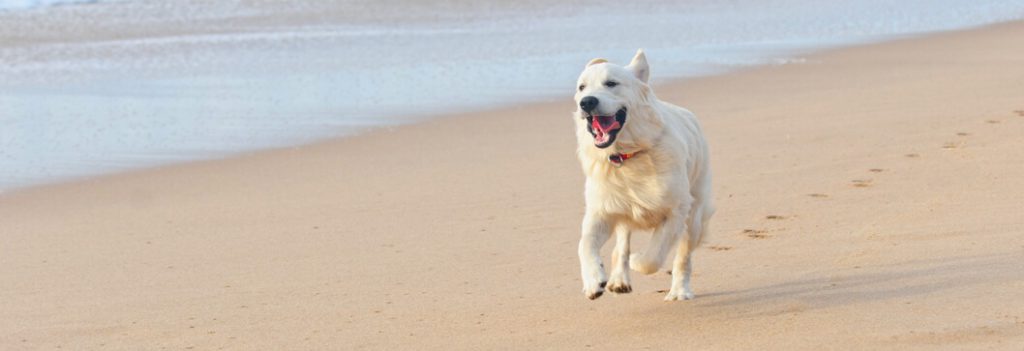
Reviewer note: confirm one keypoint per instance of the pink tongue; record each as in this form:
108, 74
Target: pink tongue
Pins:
605, 124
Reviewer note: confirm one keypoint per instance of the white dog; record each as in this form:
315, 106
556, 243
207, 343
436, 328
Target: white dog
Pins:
647, 169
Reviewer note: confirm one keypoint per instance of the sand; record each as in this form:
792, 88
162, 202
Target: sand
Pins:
868, 199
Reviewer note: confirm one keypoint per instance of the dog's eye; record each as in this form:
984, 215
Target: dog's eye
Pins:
582, 86
611, 84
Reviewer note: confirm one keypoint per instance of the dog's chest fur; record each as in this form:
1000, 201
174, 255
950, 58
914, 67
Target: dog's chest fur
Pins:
635, 192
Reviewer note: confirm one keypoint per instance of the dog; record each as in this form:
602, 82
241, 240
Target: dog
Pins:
647, 170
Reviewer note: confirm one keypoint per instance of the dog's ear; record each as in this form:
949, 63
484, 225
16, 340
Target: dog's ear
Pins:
639, 66
596, 61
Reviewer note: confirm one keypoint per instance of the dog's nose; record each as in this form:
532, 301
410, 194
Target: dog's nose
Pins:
588, 103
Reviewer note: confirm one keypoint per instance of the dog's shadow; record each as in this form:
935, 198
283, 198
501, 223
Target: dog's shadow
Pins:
895, 283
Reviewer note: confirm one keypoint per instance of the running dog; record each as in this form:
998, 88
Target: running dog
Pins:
647, 169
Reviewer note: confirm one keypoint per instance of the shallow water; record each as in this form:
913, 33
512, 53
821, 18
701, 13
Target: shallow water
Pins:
9, 5
185, 80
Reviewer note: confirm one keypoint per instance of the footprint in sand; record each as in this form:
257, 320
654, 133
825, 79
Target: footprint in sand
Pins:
818, 195
716, 248
876, 170
775, 217
912, 155
861, 183
963, 134
1019, 113
993, 121
756, 233
952, 145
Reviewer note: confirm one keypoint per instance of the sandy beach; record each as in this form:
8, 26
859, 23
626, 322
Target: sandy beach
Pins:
869, 198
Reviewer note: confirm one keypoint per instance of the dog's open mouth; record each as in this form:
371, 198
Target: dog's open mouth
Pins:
606, 128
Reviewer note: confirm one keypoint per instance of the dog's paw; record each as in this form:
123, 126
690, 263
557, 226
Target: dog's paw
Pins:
639, 263
595, 291
619, 286
676, 295
594, 280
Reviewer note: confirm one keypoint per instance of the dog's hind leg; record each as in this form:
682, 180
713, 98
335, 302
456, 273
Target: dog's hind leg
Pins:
596, 231
683, 267
681, 270
665, 238
619, 281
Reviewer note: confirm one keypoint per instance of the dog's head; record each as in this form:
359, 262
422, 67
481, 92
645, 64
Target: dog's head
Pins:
608, 96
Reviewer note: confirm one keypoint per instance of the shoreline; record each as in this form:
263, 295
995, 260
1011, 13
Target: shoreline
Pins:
798, 57
131, 87
866, 200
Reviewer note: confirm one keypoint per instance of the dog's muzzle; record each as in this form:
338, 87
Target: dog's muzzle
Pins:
605, 128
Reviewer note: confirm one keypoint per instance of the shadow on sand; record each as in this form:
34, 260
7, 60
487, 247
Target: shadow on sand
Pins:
894, 282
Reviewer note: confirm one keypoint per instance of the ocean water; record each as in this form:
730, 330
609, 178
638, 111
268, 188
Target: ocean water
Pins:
30, 4
190, 79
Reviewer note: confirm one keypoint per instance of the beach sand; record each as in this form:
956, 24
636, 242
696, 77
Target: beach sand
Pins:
869, 198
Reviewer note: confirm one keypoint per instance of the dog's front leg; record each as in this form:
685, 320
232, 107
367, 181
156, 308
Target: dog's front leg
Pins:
619, 281
596, 230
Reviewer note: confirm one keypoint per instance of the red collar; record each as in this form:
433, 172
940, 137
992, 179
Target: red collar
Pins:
619, 159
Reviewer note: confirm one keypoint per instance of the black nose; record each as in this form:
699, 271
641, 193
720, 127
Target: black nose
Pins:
588, 103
